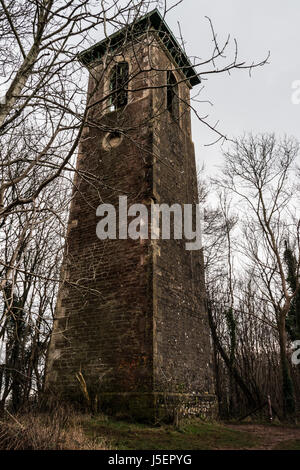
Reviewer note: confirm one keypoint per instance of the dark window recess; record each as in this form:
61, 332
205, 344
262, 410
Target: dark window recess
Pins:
172, 95
119, 82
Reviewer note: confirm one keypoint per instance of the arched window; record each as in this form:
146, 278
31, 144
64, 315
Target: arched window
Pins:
172, 95
119, 84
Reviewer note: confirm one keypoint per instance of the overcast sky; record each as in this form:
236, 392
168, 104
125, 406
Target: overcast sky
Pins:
241, 104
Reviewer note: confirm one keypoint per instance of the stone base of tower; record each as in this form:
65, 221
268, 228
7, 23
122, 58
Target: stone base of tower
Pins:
158, 407
150, 407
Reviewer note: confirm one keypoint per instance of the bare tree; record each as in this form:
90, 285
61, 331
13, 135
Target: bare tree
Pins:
260, 172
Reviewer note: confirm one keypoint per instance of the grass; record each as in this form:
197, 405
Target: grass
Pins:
193, 435
59, 430
65, 429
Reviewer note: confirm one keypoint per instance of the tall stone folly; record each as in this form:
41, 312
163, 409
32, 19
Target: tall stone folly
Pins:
130, 317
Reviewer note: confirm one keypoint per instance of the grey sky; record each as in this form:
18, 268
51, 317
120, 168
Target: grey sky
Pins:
261, 103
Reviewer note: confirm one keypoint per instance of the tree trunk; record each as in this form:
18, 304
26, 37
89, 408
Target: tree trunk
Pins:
288, 397
232, 369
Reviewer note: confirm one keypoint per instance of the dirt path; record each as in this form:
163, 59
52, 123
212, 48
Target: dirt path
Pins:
270, 436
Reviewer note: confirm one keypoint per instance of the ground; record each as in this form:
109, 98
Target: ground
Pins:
273, 437
193, 435
70, 430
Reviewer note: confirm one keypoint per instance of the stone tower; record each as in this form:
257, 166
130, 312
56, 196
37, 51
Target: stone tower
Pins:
131, 313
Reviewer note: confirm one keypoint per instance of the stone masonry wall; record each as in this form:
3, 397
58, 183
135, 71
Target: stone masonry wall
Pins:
183, 360
105, 307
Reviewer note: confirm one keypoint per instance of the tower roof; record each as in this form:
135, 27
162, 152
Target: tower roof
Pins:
152, 20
